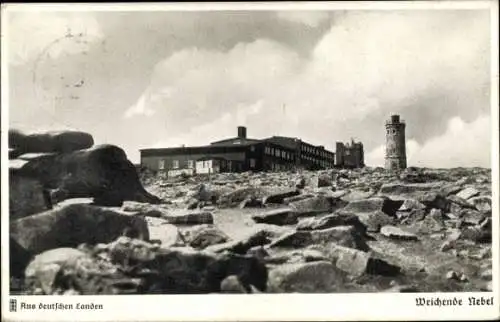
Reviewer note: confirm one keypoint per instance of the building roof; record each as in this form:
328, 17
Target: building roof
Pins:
219, 148
241, 140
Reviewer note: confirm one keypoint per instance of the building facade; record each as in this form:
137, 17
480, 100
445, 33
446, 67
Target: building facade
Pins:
349, 155
239, 154
395, 148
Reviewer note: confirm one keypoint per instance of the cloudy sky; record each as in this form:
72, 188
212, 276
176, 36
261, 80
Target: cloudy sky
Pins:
161, 79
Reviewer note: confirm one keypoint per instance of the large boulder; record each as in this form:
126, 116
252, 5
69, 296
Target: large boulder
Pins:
74, 224
19, 258
53, 141
102, 172
26, 196
313, 277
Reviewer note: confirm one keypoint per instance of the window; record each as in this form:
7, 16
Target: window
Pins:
175, 164
283, 154
190, 164
252, 148
161, 164
252, 163
277, 152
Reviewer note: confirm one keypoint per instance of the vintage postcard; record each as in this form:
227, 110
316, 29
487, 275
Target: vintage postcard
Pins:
250, 161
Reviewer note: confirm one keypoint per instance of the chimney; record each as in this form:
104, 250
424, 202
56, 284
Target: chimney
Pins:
242, 132
394, 118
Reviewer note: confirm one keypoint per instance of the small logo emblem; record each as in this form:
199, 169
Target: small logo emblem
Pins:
13, 305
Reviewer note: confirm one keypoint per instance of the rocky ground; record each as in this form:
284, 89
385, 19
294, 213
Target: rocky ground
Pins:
361, 230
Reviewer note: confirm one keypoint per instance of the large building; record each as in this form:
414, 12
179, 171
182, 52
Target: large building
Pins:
240, 153
349, 155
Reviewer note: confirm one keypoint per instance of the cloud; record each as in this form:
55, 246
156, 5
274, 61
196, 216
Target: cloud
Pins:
308, 18
33, 33
461, 144
423, 65
193, 77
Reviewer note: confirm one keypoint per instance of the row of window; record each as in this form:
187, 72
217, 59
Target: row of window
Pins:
278, 153
202, 164
316, 151
175, 164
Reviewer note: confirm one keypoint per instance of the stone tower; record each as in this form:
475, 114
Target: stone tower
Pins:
395, 148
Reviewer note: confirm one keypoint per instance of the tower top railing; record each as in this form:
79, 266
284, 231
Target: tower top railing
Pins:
391, 122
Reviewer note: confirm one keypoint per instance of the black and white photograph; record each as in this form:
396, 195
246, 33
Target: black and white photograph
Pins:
239, 150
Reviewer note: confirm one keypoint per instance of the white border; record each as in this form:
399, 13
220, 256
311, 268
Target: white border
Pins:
360, 306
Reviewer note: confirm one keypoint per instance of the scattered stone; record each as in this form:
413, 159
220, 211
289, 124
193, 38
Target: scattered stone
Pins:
451, 240
356, 262
258, 238
482, 203
200, 237
75, 224
313, 277
402, 191
347, 236
486, 274
321, 180
356, 195
452, 275
189, 218
402, 289
258, 252
472, 217
280, 216
411, 204
278, 198
476, 234
315, 205
370, 205
232, 285
397, 233
166, 234
433, 222
251, 202
300, 183
467, 193
45, 266
332, 220
488, 287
